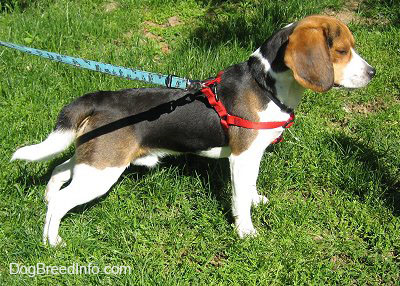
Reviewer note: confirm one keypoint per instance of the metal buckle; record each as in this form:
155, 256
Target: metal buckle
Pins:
213, 88
195, 85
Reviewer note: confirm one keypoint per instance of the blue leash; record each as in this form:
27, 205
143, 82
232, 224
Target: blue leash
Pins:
170, 81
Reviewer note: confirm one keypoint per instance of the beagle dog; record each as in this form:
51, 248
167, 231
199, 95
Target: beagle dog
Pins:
113, 129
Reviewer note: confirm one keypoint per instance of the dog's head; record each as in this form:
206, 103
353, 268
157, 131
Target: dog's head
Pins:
320, 52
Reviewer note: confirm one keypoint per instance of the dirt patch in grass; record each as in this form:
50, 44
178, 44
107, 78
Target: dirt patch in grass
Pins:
110, 6
340, 260
218, 260
148, 25
365, 108
350, 14
347, 14
171, 22
160, 40
128, 35
174, 21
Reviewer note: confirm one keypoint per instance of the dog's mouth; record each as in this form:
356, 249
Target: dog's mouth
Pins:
336, 85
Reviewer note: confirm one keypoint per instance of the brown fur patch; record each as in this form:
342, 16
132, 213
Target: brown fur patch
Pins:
240, 138
102, 149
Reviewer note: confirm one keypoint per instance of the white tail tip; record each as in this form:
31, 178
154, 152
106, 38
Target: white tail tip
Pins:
55, 143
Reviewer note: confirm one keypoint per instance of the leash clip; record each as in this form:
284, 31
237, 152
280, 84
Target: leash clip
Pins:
195, 85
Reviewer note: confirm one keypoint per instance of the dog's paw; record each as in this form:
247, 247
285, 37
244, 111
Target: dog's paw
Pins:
57, 242
246, 231
259, 199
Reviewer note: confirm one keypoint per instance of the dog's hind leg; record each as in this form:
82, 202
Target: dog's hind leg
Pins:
87, 184
61, 174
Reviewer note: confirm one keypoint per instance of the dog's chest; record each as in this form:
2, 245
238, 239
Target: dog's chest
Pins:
266, 136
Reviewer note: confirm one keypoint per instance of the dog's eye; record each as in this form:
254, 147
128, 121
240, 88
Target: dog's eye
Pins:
342, 52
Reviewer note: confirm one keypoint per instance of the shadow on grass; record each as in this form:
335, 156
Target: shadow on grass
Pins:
371, 163
250, 23
12, 5
26, 182
384, 11
213, 173
244, 23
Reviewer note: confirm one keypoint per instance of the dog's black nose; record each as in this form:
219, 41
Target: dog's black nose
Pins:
371, 72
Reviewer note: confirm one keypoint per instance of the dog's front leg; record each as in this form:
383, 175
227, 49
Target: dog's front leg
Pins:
244, 172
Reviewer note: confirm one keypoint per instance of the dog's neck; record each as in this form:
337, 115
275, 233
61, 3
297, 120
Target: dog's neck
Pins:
288, 91
272, 75
280, 85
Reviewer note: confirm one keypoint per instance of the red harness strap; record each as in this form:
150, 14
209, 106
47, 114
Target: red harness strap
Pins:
227, 119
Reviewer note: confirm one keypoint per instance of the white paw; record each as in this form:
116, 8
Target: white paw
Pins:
55, 242
259, 199
246, 231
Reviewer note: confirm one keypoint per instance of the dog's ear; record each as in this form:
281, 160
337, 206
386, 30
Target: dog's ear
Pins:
307, 55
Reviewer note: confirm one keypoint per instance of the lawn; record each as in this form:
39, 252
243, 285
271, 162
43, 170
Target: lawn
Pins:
333, 184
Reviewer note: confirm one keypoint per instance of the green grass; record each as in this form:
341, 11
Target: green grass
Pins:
333, 185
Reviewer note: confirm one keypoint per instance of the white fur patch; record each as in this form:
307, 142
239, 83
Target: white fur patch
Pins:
355, 73
288, 25
152, 159
216, 153
55, 143
266, 136
264, 61
149, 161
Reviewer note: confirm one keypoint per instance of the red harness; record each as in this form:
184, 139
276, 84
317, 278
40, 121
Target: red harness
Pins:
228, 119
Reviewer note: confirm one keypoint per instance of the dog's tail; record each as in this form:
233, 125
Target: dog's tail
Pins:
70, 120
